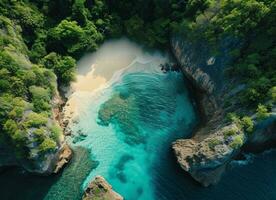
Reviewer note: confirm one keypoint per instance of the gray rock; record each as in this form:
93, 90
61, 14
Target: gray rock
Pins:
206, 155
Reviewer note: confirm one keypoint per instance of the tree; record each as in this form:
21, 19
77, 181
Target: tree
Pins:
47, 145
79, 12
262, 112
67, 31
5, 80
134, 27
63, 66
10, 127
238, 17
194, 6
7, 61
35, 120
66, 35
247, 124
250, 97
40, 98
237, 142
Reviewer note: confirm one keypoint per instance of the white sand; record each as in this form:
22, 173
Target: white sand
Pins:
94, 70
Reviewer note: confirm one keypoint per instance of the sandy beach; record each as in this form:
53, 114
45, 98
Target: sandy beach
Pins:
94, 70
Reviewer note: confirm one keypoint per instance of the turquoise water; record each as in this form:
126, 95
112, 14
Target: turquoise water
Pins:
147, 110
127, 128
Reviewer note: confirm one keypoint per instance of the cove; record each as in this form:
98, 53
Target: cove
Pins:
127, 114
130, 121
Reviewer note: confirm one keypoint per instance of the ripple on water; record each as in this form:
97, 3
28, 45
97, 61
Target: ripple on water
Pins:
134, 121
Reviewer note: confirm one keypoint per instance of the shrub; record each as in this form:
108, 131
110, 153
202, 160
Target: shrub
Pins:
10, 127
233, 117
250, 97
262, 112
247, 124
35, 120
230, 132
56, 132
63, 66
237, 142
40, 98
39, 134
47, 145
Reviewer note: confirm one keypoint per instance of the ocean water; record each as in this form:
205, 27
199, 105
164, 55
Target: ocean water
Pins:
131, 123
124, 133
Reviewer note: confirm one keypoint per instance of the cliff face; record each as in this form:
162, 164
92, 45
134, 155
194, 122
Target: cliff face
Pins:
31, 134
206, 155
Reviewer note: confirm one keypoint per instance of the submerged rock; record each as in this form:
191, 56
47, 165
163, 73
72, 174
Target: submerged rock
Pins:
169, 67
122, 111
99, 189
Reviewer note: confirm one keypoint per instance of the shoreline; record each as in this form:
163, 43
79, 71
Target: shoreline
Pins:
94, 72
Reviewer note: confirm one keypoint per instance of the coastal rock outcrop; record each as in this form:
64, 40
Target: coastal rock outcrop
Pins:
99, 189
54, 161
40, 163
217, 141
206, 159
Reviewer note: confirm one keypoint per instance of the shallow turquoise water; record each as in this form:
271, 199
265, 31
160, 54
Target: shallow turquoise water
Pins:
153, 110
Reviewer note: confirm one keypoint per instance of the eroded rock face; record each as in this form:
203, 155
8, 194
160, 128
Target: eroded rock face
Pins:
206, 155
205, 160
99, 189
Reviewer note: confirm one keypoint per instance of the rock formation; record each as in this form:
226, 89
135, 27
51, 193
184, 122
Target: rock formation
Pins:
99, 189
64, 157
216, 142
50, 162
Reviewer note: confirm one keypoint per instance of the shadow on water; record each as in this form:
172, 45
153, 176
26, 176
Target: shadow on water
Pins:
253, 181
16, 184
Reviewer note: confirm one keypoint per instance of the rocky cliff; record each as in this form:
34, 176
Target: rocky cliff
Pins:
29, 105
99, 189
50, 162
217, 141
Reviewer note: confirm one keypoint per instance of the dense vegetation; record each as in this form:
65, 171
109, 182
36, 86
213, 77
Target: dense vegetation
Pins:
26, 91
42, 39
252, 23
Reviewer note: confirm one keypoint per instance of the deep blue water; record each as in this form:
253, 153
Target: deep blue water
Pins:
130, 125
254, 181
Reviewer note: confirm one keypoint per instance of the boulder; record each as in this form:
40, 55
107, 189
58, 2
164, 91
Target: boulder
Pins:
206, 160
99, 189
